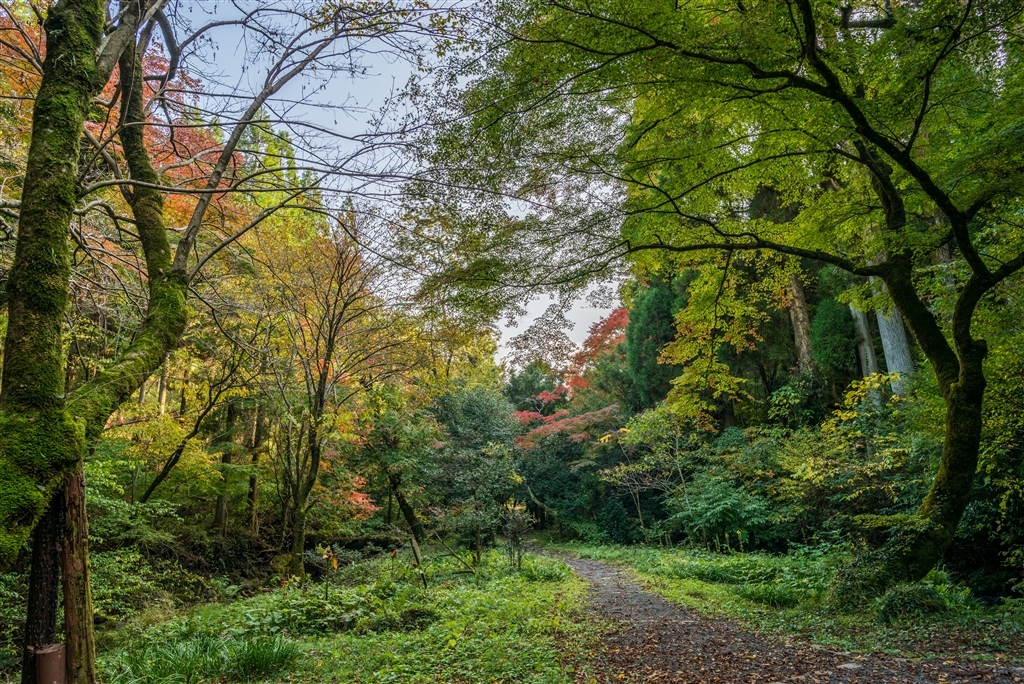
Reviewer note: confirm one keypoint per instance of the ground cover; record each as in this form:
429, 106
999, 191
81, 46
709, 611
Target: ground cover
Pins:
788, 597
371, 622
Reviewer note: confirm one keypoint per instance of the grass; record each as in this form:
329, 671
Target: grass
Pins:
373, 623
785, 596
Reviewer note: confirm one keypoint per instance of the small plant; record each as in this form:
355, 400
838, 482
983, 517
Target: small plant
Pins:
182, 662
909, 600
774, 595
542, 570
516, 523
260, 656
200, 658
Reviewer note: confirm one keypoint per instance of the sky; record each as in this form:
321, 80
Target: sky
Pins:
342, 104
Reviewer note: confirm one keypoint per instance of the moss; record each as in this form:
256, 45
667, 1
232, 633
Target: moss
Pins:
39, 441
38, 288
39, 449
167, 314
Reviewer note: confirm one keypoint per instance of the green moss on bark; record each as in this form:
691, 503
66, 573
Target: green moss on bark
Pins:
39, 440
167, 313
39, 450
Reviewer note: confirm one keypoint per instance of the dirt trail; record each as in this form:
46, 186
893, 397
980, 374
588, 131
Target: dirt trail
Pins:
659, 642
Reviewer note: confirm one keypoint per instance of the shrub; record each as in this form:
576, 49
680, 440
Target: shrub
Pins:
774, 595
909, 600
712, 509
260, 656
543, 570
856, 585
13, 597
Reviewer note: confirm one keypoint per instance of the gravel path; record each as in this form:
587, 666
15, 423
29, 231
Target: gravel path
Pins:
659, 642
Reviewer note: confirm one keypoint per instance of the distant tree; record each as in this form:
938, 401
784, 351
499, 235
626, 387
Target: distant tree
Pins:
526, 388
834, 343
651, 327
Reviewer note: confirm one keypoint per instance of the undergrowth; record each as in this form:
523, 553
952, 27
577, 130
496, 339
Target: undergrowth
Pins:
373, 622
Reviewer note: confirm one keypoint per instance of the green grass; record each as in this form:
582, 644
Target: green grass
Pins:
374, 623
785, 596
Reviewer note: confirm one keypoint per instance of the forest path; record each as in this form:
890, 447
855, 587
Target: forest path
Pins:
660, 642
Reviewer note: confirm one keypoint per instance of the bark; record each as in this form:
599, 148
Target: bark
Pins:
865, 345
162, 392
259, 435
801, 319
78, 614
896, 348
415, 524
220, 516
41, 623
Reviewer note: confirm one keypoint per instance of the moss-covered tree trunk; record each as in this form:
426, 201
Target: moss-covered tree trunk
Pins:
40, 441
912, 552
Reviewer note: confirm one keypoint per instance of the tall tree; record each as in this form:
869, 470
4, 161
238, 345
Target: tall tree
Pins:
659, 121
45, 424
337, 336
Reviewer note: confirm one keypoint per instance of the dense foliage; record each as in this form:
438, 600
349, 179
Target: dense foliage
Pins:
257, 415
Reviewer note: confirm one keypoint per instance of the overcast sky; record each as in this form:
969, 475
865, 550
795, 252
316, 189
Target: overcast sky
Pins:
346, 105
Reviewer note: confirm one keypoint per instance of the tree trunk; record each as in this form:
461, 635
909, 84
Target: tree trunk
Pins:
801, 319
225, 440
259, 435
415, 525
39, 441
162, 392
297, 566
41, 623
896, 348
911, 553
183, 397
865, 346
78, 613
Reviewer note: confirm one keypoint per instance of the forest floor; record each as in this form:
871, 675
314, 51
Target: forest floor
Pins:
654, 640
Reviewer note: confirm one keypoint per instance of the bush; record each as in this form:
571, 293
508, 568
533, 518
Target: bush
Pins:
774, 595
258, 657
712, 510
543, 570
13, 600
859, 583
909, 600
